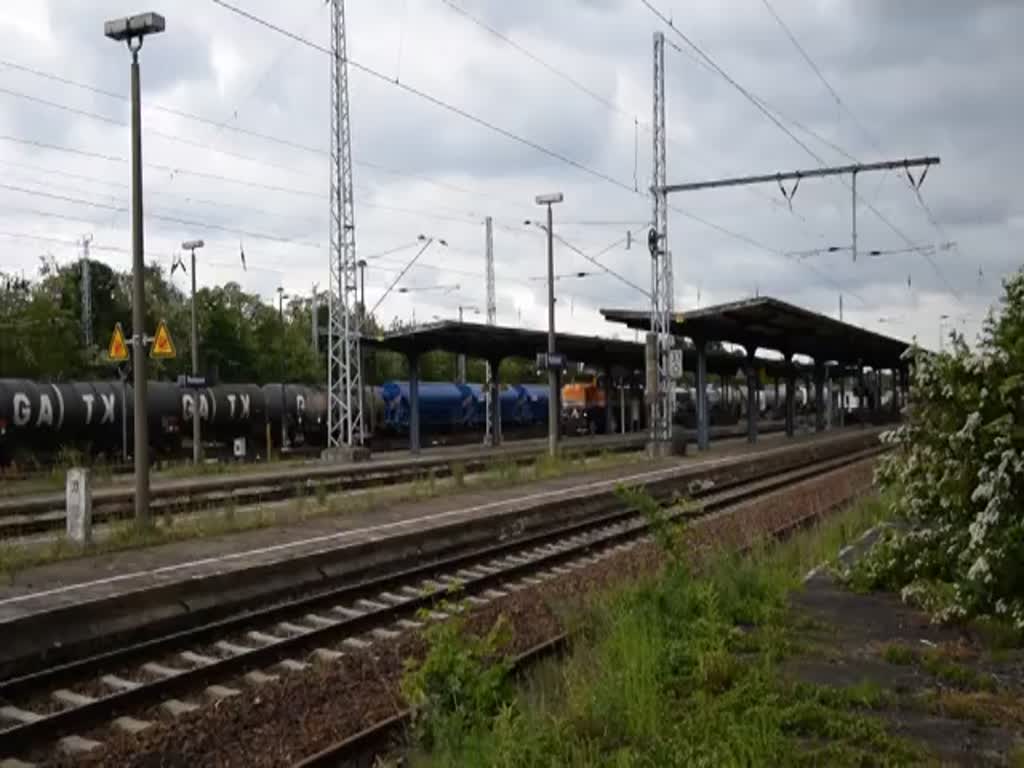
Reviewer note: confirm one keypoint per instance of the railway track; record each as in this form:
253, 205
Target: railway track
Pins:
45, 513
21, 516
120, 687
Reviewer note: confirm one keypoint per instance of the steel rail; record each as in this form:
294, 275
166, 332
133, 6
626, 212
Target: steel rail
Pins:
22, 737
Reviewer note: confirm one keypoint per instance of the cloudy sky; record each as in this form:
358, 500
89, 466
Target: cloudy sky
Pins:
236, 128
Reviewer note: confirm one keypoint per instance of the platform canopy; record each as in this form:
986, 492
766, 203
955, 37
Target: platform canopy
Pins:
771, 324
496, 342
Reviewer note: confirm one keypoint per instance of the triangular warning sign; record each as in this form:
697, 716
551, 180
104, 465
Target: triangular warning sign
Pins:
118, 350
163, 347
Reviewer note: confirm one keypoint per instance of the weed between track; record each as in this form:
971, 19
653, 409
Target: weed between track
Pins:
684, 668
310, 502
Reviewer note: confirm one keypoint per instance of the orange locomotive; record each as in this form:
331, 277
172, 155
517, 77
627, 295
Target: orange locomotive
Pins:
584, 407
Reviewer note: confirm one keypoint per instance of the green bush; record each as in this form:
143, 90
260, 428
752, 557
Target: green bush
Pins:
957, 477
461, 684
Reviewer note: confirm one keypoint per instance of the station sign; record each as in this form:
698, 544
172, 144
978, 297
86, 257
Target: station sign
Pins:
192, 382
556, 361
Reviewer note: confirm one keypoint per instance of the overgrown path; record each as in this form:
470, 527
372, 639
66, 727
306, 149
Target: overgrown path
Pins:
745, 661
954, 692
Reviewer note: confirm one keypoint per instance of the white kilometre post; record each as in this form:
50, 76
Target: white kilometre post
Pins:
344, 377
78, 504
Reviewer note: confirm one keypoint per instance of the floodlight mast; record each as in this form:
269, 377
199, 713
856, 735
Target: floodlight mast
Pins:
134, 27
197, 443
132, 30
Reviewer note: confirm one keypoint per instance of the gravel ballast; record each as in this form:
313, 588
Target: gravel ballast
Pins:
304, 712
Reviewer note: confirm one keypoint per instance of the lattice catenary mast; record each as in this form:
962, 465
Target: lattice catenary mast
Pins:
662, 398
344, 379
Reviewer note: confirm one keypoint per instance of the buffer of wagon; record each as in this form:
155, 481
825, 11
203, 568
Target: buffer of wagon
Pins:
620, 361
838, 352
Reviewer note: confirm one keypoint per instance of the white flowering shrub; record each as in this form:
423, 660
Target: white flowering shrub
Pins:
957, 477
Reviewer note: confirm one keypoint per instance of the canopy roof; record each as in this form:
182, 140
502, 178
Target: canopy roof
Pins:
771, 324
496, 342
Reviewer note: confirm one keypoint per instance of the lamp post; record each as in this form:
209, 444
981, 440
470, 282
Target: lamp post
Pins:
281, 296
362, 291
443, 288
553, 399
133, 30
193, 246
460, 360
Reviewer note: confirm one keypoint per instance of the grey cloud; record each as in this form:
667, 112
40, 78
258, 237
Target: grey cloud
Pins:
923, 76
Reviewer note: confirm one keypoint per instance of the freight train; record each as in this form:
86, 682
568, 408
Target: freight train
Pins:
39, 420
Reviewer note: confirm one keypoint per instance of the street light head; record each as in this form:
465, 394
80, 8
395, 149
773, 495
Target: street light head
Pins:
131, 27
361, 263
403, 289
443, 242
554, 197
421, 238
191, 245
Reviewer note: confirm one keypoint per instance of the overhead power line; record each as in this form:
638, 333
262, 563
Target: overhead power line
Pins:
759, 104
159, 108
593, 260
224, 125
606, 102
876, 145
435, 100
159, 217
538, 60
22, 178
161, 167
159, 134
467, 220
275, 188
463, 113
729, 79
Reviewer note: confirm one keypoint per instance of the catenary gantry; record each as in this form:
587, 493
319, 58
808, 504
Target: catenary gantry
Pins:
838, 349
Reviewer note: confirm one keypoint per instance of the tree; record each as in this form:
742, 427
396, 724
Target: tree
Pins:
957, 476
241, 339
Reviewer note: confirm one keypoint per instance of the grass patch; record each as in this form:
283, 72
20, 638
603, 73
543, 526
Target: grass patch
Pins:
232, 518
678, 669
942, 662
127, 535
981, 707
899, 654
954, 673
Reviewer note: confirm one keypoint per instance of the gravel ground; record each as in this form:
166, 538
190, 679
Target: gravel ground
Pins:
306, 712
963, 708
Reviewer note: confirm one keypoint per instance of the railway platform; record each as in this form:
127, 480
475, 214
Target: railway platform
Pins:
161, 585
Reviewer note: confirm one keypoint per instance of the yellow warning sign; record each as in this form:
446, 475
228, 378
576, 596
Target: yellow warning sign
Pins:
118, 350
163, 347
